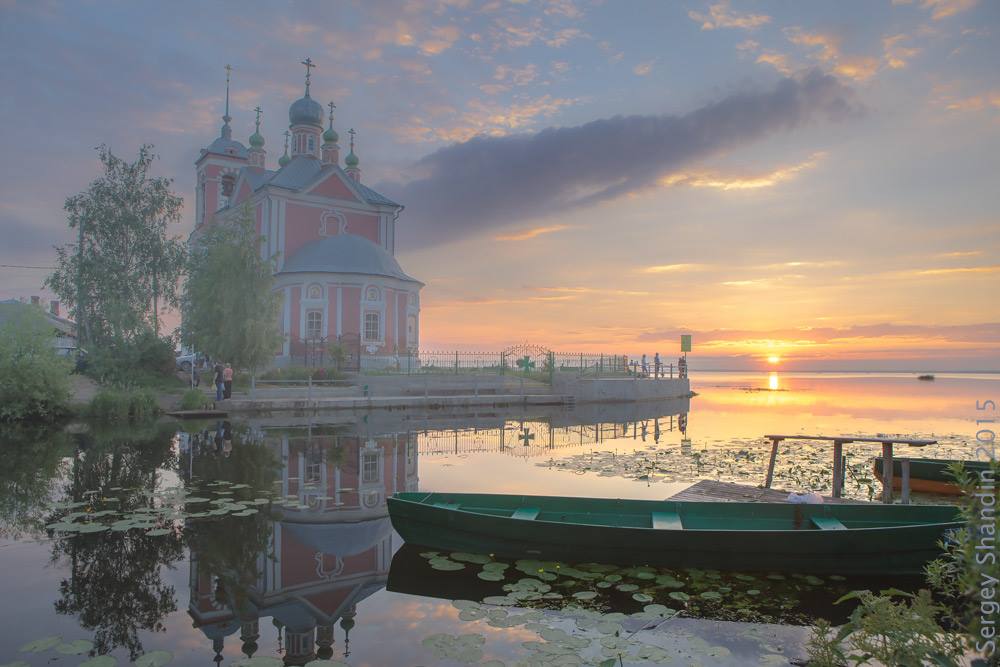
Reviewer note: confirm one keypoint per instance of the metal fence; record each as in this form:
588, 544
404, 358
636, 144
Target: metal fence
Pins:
530, 361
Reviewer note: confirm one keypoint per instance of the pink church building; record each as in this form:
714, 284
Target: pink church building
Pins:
334, 237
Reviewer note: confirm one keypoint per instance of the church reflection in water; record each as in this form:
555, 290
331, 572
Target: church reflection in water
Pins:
308, 564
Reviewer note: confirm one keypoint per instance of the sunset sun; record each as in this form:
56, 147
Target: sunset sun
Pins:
773, 359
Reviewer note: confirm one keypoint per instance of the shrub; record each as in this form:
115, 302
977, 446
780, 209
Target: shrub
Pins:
34, 380
116, 405
194, 399
145, 359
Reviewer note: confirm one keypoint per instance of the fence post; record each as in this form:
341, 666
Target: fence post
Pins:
552, 367
456, 363
309, 392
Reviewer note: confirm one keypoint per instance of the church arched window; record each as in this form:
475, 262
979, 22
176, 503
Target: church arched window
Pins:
314, 292
373, 294
314, 324
373, 327
228, 183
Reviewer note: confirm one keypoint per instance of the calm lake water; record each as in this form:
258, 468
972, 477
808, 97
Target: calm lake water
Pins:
270, 538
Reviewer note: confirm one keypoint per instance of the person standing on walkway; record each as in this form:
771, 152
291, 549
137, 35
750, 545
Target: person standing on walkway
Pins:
656, 365
218, 381
227, 379
645, 367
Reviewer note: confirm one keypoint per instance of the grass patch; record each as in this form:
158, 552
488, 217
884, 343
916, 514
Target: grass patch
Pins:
195, 399
116, 405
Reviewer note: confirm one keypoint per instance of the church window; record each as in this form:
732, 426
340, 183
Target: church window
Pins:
372, 328
313, 473
228, 183
369, 468
372, 294
314, 324
312, 143
315, 292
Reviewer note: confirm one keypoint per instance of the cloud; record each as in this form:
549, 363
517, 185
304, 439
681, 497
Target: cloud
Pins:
440, 40
974, 102
642, 69
826, 49
492, 181
526, 234
673, 268
736, 182
489, 118
942, 9
519, 76
721, 16
895, 54
776, 60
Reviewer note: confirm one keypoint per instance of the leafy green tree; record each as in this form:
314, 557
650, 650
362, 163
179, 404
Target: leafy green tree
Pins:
230, 307
34, 380
124, 266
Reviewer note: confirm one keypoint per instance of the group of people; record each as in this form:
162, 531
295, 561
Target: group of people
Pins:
223, 381
222, 377
643, 368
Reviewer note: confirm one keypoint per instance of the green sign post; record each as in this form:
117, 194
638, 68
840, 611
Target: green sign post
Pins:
685, 342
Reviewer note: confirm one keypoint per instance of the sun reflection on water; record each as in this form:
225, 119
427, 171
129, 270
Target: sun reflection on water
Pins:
772, 381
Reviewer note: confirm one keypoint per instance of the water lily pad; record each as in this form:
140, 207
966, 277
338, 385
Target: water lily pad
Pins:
753, 591
711, 595
100, 661
585, 595
470, 558
159, 531
16, 663
326, 663
76, 647
43, 644
487, 575
642, 597
680, 596
627, 588
154, 659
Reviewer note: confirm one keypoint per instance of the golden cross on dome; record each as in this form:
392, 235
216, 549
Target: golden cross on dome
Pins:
352, 133
259, 111
309, 65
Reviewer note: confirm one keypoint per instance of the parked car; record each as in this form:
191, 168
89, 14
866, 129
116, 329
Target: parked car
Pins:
184, 361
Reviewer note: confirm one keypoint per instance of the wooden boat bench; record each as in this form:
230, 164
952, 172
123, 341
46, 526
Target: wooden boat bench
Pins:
828, 523
666, 521
448, 506
839, 461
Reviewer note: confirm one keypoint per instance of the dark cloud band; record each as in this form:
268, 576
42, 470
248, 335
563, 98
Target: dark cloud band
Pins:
489, 182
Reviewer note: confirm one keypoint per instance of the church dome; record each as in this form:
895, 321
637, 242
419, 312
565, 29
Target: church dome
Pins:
330, 136
351, 160
305, 111
256, 140
345, 253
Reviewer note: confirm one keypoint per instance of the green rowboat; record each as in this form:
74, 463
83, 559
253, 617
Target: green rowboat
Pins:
835, 539
929, 475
